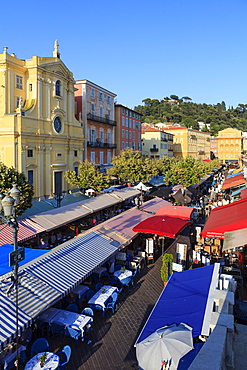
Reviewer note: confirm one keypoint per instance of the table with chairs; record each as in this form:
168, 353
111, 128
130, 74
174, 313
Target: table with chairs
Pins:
124, 276
80, 291
60, 318
97, 274
51, 361
100, 299
7, 359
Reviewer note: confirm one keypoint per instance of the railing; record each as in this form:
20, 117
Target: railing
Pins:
96, 144
95, 118
154, 149
164, 139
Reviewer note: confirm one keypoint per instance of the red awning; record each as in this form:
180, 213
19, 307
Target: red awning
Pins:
26, 229
233, 181
176, 211
243, 193
227, 218
161, 225
234, 178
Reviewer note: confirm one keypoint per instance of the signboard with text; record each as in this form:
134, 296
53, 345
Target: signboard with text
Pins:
16, 256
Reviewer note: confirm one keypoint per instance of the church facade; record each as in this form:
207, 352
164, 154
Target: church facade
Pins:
39, 134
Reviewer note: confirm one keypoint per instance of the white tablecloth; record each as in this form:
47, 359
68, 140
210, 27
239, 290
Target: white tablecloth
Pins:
48, 315
51, 362
9, 356
66, 318
101, 298
80, 290
123, 275
73, 319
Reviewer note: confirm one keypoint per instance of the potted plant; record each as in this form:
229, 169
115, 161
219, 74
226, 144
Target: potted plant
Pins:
43, 359
166, 268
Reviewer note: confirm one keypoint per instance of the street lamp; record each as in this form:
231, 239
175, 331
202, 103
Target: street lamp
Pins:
59, 197
8, 205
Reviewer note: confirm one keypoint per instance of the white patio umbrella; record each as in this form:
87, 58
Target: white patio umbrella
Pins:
165, 345
142, 186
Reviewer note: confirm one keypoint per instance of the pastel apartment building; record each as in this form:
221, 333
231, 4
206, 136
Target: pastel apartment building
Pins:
95, 109
230, 145
128, 131
156, 143
190, 142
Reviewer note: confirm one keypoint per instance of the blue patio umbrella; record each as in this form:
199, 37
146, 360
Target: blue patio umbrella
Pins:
164, 347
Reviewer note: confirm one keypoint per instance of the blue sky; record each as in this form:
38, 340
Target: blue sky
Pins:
139, 49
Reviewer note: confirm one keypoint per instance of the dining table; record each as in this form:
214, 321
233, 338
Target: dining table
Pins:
121, 275
7, 357
51, 362
80, 291
125, 277
66, 318
100, 298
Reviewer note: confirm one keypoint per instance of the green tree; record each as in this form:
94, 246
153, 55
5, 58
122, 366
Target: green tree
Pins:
186, 171
132, 166
10, 176
88, 177
166, 268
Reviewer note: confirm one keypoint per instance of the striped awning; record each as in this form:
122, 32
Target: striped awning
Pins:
8, 320
27, 229
67, 266
34, 295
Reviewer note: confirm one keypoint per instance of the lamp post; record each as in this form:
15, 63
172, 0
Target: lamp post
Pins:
8, 205
59, 197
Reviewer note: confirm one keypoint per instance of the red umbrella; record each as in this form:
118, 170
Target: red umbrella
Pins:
161, 225
175, 211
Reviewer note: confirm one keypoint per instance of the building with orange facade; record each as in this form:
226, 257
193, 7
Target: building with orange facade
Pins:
128, 131
95, 109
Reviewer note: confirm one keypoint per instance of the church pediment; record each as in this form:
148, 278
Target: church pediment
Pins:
59, 69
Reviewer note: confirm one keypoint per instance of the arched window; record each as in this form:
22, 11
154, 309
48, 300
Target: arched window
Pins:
58, 85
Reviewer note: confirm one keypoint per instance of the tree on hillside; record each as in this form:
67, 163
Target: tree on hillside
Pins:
186, 98
10, 176
156, 110
88, 177
132, 166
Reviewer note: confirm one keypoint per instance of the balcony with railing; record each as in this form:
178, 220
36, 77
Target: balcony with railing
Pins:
105, 120
98, 144
154, 150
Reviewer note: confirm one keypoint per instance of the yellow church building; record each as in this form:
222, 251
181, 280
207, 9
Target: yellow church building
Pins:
39, 134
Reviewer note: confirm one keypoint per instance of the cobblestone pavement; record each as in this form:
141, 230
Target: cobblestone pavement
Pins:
113, 336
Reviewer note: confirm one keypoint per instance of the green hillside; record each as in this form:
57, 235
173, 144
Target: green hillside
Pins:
184, 111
